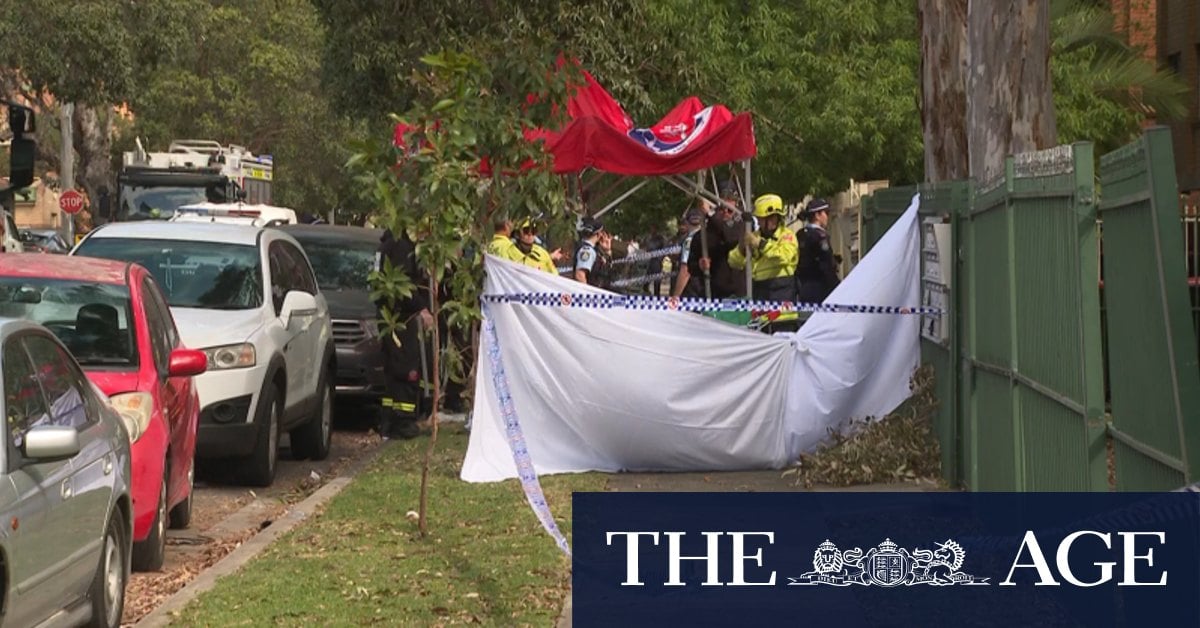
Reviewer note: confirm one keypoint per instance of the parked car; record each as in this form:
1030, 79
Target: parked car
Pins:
113, 318
65, 492
343, 258
248, 297
10, 240
44, 241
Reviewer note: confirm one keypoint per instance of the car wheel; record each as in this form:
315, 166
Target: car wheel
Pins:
148, 555
181, 514
107, 592
314, 438
259, 470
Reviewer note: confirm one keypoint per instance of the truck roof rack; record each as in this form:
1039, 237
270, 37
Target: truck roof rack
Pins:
205, 147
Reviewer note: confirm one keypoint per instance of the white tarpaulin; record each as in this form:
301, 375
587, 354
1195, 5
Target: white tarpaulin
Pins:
632, 390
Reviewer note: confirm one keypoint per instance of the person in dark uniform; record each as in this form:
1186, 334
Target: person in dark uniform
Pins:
816, 274
402, 358
723, 230
687, 283
593, 254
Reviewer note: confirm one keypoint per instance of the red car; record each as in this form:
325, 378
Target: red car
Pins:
113, 318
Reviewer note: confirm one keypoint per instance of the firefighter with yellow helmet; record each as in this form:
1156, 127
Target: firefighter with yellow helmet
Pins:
773, 252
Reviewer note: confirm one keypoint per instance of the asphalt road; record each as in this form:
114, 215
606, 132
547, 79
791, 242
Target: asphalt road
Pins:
219, 494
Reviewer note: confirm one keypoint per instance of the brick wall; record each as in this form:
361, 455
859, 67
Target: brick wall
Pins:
1138, 20
1178, 26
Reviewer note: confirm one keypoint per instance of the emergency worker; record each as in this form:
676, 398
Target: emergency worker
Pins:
689, 285
772, 251
502, 245
531, 253
402, 357
723, 229
593, 254
816, 272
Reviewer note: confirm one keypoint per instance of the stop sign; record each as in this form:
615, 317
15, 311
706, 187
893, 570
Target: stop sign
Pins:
70, 202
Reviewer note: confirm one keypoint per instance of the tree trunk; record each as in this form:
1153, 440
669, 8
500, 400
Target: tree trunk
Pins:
943, 25
434, 370
93, 145
1010, 105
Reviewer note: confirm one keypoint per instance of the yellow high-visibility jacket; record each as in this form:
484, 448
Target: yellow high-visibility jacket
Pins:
775, 256
538, 257
503, 247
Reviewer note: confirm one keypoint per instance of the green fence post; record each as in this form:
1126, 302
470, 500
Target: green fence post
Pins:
970, 317
1153, 373
954, 362
1010, 235
1181, 340
1092, 368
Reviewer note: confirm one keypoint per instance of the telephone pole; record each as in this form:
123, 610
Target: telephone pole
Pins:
68, 166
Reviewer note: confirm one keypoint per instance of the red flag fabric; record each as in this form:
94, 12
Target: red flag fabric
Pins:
600, 135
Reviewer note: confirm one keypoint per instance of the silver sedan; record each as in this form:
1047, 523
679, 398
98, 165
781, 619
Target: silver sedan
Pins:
65, 528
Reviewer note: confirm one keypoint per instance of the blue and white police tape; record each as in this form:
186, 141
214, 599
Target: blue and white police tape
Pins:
642, 256
633, 259
644, 279
690, 304
516, 438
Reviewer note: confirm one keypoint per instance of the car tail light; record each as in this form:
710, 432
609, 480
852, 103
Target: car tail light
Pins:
135, 408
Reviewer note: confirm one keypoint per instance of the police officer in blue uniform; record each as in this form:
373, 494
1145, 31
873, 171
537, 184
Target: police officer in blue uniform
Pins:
593, 257
816, 273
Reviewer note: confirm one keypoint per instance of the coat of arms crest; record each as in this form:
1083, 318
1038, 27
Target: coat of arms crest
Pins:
888, 565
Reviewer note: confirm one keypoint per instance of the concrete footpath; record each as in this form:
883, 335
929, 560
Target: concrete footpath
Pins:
768, 481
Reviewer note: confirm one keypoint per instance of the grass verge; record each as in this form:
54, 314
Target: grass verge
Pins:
363, 562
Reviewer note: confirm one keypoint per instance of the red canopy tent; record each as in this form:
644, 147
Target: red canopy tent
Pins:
600, 136
690, 138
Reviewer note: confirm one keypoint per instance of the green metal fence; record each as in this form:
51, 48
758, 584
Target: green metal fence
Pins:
944, 203
1022, 404
1153, 374
940, 202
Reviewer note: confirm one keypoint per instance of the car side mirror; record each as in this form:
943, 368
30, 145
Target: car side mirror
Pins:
50, 443
297, 303
186, 363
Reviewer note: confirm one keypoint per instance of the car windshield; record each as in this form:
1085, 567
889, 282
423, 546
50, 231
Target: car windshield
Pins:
205, 275
157, 203
340, 264
93, 320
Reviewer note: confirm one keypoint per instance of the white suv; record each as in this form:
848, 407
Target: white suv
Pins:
248, 297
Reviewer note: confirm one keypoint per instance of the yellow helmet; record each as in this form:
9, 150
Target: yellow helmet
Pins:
768, 204
531, 223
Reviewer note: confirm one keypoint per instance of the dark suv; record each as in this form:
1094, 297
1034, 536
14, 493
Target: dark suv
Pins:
342, 258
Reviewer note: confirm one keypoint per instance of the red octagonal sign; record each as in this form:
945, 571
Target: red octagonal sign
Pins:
70, 202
